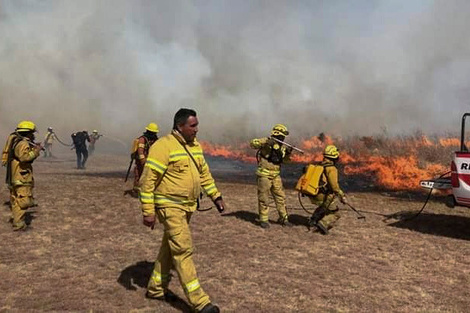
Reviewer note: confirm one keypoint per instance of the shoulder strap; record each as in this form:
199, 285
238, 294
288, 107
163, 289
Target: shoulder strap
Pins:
190, 155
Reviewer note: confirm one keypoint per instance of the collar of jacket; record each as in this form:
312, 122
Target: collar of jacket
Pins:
327, 162
181, 140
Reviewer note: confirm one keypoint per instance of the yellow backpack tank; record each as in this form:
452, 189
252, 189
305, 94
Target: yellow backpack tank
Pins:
135, 146
6, 149
311, 182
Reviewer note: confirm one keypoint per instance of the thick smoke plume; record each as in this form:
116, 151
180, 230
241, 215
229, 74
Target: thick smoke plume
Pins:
341, 67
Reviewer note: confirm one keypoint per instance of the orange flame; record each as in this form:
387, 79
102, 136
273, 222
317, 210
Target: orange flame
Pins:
392, 163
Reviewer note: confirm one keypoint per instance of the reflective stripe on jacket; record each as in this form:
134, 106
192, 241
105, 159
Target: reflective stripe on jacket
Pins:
21, 163
265, 167
170, 177
331, 177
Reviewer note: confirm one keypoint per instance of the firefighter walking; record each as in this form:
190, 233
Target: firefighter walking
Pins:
324, 217
79, 144
18, 155
174, 175
271, 155
141, 150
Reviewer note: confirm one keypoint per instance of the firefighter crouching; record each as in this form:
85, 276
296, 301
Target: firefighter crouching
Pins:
270, 157
141, 152
170, 185
18, 155
325, 216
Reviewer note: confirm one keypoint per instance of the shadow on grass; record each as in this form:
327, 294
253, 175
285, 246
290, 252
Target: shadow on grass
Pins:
29, 217
245, 216
108, 174
252, 218
452, 226
138, 274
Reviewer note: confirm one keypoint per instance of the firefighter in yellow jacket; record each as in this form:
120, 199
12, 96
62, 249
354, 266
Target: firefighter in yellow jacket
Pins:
271, 155
174, 175
325, 215
48, 141
19, 153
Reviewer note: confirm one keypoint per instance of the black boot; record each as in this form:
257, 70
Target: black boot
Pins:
210, 308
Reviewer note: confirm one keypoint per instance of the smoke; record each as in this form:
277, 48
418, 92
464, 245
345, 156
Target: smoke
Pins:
340, 67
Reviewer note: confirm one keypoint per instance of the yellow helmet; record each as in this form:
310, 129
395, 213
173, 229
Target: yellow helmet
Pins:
331, 152
153, 127
26, 126
279, 129
95, 131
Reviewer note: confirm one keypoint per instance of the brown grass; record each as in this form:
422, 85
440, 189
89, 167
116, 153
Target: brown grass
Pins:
88, 251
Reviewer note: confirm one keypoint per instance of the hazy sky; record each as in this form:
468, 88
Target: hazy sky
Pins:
342, 67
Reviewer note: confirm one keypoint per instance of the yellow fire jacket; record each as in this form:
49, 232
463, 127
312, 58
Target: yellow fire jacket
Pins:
265, 167
170, 177
49, 138
331, 178
21, 164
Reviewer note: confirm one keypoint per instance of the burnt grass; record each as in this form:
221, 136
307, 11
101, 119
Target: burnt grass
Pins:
88, 250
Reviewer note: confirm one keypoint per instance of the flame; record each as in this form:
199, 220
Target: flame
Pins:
391, 163
449, 142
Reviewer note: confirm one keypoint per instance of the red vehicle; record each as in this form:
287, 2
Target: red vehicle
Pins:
459, 180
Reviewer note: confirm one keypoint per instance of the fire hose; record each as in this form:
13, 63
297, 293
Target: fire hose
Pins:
60, 141
422, 208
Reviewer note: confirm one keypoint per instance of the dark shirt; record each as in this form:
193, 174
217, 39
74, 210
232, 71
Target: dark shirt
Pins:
80, 139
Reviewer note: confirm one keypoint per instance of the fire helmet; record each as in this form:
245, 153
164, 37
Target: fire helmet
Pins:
49, 129
331, 152
279, 129
95, 131
26, 126
153, 127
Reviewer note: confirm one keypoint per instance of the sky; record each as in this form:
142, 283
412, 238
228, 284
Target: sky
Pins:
360, 67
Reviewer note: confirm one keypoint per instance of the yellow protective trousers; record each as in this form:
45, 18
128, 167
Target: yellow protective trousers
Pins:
176, 252
271, 185
21, 198
326, 202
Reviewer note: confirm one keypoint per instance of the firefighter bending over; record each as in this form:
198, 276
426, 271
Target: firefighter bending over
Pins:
270, 157
324, 216
173, 177
142, 146
48, 140
18, 155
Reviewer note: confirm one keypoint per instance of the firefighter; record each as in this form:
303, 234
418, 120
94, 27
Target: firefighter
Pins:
140, 155
173, 177
21, 151
48, 140
324, 217
271, 155
79, 144
93, 139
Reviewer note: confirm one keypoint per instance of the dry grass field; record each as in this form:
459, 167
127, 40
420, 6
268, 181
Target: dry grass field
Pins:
87, 250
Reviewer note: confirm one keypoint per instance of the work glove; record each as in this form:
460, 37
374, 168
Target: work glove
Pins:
288, 150
343, 200
149, 221
219, 204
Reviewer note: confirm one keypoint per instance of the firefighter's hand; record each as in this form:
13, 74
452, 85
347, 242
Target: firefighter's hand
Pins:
343, 200
149, 221
220, 204
288, 150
